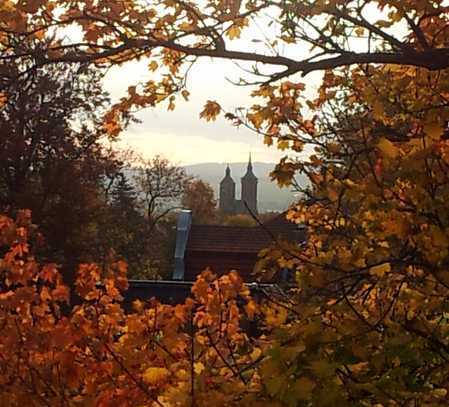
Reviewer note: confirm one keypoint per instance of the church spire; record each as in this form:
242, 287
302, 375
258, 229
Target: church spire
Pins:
227, 192
250, 164
249, 170
249, 187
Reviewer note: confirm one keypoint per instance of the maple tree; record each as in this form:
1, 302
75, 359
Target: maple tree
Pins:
367, 322
96, 354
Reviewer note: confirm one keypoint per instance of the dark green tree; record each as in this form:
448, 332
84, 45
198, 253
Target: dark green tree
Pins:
124, 196
52, 159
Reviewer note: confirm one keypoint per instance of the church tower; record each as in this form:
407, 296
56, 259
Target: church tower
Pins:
249, 188
227, 193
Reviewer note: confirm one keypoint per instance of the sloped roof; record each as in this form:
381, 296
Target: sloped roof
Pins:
215, 238
240, 239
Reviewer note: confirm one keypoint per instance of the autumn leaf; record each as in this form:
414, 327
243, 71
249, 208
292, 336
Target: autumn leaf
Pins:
153, 65
185, 94
210, 111
155, 375
433, 130
3, 99
275, 315
198, 367
234, 32
304, 388
380, 270
49, 273
251, 309
387, 148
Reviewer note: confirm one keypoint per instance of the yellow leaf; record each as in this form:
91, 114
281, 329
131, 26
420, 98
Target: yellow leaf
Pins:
234, 32
182, 374
304, 388
198, 367
154, 375
384, 23
171, 104
396, 361
387, 148
439, 392
283, 144
251, 309
268, 140
348, 183
7, 6
288, 39
256, 119
378, 109
275, 315
380, 270
187, 26
434, 130
153, 65
255, 354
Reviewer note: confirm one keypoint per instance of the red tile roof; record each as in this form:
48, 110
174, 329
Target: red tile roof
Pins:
224, 248
213, 238
240, 239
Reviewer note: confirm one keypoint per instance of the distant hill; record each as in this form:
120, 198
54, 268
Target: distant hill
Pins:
270, 196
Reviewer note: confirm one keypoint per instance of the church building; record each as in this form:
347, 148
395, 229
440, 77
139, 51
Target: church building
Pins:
227, 202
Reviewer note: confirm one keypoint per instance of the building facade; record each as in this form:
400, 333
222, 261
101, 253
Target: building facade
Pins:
227, 200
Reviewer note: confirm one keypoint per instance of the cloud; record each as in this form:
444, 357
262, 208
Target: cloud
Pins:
192, 149
181, 135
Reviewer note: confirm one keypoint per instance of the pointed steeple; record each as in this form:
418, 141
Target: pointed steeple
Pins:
227, 192
249, 170
227, 178
249, 187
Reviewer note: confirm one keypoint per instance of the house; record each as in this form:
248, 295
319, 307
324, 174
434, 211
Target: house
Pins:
225, 248
220, 248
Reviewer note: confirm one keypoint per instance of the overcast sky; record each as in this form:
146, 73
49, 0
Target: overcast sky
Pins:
183, 137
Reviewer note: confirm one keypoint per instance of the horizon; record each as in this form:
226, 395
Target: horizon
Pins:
230, 163
215, 163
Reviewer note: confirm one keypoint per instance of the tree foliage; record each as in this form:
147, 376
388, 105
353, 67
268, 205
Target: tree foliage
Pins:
199, 198
94, 353
52, 159
367, 320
